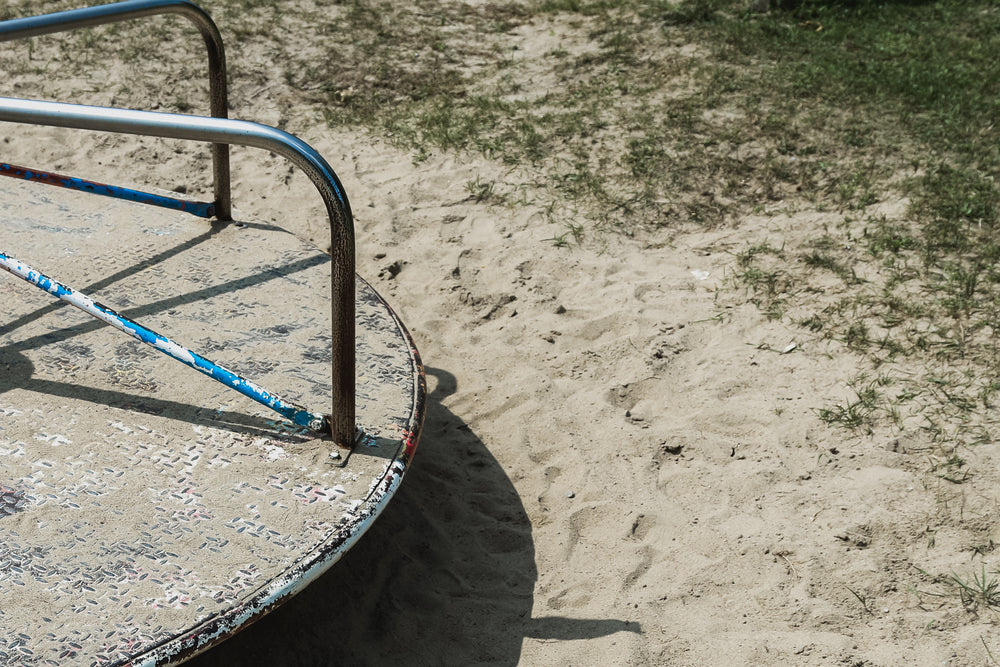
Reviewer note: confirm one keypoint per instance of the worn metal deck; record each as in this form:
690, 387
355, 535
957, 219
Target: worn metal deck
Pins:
147, 511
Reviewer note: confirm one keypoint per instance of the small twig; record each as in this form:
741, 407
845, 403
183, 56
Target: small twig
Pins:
782, 556
988, 651
864, 603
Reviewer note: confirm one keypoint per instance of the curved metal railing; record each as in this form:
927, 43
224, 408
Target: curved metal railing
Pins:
74, 19
226, 131
220, 132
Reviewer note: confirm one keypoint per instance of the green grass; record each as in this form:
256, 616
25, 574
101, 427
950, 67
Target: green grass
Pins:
880, 101
979, 590
829, 102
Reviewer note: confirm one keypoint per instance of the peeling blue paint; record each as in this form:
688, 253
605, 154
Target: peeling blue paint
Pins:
286, 409
200, 209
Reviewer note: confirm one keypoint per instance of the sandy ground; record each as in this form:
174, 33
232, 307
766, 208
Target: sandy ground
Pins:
621, 463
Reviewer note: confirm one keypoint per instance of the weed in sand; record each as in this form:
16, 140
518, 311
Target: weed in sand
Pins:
859, 413
981, 589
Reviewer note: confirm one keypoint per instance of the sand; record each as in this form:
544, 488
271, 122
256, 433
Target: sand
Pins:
622, 462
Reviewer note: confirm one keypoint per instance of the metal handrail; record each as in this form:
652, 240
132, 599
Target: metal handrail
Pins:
46, 24
244, 133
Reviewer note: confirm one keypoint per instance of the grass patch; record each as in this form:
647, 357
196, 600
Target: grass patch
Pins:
980, 590
903, 99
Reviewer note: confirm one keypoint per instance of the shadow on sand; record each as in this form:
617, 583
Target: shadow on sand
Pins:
446, 575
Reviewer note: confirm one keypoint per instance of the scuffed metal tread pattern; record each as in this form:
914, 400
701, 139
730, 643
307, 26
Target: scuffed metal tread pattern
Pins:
145, 510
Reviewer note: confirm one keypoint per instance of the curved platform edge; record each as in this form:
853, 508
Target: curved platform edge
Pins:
314, 564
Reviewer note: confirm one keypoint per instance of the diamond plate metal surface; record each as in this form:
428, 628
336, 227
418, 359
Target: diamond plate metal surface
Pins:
145, 510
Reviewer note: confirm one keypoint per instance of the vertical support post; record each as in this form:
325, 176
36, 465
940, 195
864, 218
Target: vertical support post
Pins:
342, 342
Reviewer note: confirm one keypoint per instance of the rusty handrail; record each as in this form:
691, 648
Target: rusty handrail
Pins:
46, 24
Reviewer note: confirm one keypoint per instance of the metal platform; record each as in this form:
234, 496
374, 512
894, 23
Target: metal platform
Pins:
147, 511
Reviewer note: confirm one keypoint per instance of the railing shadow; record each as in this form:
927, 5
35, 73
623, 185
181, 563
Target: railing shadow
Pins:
445, 576
8, 327
136, 313
16, 372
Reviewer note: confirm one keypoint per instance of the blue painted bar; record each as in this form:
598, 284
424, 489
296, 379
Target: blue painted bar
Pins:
290, 411
200, 209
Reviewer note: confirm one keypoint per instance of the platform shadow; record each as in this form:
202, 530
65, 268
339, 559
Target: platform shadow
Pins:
445, 576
